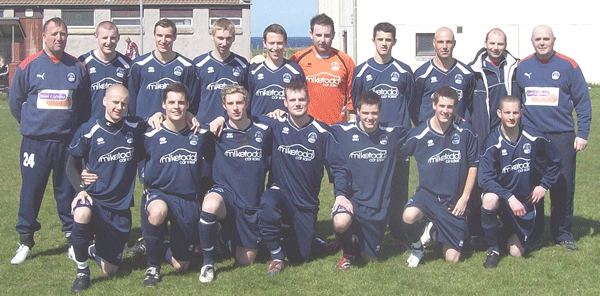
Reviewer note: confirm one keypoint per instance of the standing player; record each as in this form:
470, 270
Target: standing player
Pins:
49, 98
172, 172
105, 65
132, 50
552, 86
151, 73
109, 146
370, 150
442, 70
239, 170
266, 80
328, 73
509, 177
217, 69
392, 80
447, 158
301, 146
494, 69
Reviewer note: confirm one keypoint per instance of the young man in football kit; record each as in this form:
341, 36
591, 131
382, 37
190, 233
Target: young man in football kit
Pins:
267, 80
173, 166
446, 153
239, 168
370, 151
301, 146
392, 80
105, 65
518, 165
109, 147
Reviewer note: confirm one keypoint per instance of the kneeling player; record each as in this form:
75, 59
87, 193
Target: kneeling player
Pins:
301, 146
239, 170
370, 152
173, 156
109, 147
512, 181
447, 158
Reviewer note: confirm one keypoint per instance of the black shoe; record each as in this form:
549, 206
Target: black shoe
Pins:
152, 277
138, 248
491, 260
570, 245
82, 282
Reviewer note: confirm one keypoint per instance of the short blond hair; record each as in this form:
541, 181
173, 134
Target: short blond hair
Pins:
234, 89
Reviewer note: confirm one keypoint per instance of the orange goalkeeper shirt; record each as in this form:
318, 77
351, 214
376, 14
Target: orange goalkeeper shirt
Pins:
329, 83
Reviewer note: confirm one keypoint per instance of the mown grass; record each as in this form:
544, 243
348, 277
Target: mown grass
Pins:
548, 271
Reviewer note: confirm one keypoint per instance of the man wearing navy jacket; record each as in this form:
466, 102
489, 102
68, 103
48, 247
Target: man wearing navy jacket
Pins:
513, 181
552, 85
49, 98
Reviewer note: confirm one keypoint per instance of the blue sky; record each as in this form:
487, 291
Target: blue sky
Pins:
294, 16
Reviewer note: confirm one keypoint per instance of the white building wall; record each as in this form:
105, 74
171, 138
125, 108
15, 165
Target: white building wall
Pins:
574, 24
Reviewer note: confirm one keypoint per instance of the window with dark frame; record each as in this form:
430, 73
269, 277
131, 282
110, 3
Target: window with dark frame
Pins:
424, 44
78, 18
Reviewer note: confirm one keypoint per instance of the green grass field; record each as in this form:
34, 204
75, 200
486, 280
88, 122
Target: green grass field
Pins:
549, 271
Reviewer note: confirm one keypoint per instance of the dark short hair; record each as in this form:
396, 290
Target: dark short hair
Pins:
368, 97
166, 23
296, 85
274, 28
323, 20
234, 89
384, 27
509, 99
177, 87
57, 21
446, 92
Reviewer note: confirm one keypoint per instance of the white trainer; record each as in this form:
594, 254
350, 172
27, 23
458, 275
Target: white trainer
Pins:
22, 254
207, 274
429, 235
415, 256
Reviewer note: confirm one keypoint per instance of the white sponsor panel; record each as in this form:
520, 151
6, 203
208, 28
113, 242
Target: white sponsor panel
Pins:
220, 84
325, 79
518, 165
104, 83
55, 99
541, 96
386, 91
273, 91
161, 84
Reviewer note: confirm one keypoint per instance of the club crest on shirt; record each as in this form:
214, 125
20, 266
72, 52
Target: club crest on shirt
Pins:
120, 72
178, 71
504, 152
526, 148
100, 141
286, 130
71, 77
312, 137
150, 69
129, 137
335, 66
369, 77
395, 76
258, 137
260, 76
162, 141
287, 78
455, 139
458, 78
429, 143
193, 139
236, 72
383, 140
354, 138
92, 70
210, 70
555, 75
229, 136
434, 79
